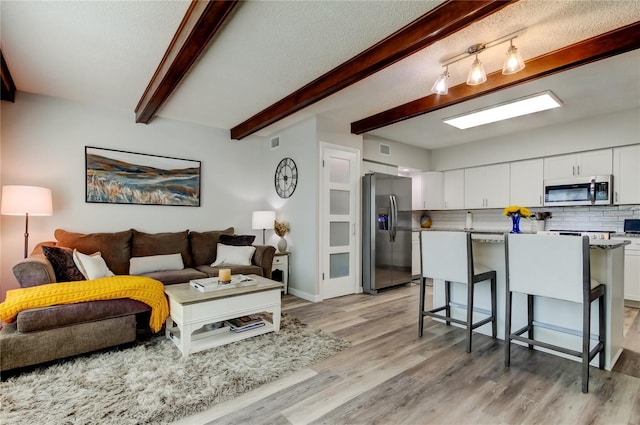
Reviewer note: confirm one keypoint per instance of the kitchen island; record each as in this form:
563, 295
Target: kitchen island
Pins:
607, 267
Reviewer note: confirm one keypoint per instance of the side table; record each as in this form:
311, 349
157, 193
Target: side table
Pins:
280, 269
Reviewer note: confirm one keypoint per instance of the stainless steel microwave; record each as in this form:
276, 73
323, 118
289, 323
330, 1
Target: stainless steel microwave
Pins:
594, 190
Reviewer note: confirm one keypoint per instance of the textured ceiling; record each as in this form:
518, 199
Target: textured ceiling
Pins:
105, 53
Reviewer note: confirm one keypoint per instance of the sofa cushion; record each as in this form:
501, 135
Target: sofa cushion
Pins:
228, 254
171, 277
204, 245
146, 244
115, 247
91, 266
61, 260
155, 263
237, 240
39, 319
235, 269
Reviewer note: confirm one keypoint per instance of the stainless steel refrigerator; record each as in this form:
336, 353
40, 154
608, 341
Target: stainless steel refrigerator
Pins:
386, 236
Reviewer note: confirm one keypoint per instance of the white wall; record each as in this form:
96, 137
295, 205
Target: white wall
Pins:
401, 154
43, 142
298, 142
605, 131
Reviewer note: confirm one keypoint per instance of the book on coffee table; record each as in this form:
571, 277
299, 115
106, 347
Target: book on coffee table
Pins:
213, 283
244, 323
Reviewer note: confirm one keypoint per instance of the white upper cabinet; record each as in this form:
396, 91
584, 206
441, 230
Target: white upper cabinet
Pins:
453, 190
416, 192
626, 175
527, 183
427, 191
486, 187
592, 163
433, 190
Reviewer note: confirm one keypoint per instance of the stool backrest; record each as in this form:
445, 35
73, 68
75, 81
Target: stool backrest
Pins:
548, 265
446, 255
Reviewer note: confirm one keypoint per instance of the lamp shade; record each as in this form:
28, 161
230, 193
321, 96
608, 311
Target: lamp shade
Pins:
21, 200
263, 219
513, 63
441, 86
476, 73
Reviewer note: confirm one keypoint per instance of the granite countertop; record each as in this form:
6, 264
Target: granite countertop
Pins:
497, 237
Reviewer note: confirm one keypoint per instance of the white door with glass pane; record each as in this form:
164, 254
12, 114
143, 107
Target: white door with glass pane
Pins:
339, 212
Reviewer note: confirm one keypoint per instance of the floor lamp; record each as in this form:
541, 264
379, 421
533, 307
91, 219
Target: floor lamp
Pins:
263, 220
26, 200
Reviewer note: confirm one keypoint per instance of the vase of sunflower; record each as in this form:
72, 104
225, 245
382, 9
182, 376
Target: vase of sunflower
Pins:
516, 212
281, 228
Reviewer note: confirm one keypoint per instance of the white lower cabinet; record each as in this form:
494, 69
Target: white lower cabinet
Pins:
416, 268
631, 269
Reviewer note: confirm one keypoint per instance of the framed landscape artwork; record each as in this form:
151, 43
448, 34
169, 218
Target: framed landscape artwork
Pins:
119, 177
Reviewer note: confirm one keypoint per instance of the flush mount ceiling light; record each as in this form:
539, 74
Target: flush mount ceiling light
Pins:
512, 64
514, 108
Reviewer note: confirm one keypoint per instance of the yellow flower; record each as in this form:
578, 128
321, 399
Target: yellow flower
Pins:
517, 210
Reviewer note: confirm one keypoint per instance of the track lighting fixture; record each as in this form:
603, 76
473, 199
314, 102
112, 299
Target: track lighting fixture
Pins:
512, 64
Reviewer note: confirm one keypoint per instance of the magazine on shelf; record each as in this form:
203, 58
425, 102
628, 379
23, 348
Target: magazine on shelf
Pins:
213, 283
244, 323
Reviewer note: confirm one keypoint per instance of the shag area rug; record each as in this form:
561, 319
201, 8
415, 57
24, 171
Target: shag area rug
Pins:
152, 383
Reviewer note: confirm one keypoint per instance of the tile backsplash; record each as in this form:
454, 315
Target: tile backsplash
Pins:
562, 218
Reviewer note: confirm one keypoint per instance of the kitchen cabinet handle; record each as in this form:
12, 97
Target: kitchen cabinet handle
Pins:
573, 172
616, 196
578, 167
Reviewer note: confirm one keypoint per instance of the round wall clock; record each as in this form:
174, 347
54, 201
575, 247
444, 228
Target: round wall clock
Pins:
286, 178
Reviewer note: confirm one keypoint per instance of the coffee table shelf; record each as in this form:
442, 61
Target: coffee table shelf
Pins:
191, 309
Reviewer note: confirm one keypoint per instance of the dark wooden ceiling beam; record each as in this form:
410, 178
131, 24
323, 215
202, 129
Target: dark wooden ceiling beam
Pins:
201, 22
609, 44
7, 87
435, 25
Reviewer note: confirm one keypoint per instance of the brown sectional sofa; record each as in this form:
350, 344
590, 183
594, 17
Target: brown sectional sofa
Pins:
49, 333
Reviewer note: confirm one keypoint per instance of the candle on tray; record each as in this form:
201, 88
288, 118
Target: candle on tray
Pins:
224, 275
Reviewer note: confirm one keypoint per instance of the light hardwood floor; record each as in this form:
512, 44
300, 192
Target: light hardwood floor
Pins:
391, 376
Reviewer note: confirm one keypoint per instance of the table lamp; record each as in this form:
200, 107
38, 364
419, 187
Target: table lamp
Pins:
263, 220
26, 200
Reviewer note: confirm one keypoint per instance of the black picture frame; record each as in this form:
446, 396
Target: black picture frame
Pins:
122, 177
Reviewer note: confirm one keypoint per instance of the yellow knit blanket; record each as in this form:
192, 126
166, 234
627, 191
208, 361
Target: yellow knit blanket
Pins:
140, 288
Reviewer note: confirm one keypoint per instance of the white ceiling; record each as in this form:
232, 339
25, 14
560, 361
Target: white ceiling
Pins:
105, 53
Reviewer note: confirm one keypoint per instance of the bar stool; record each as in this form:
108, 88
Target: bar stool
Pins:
449, 256
554, 267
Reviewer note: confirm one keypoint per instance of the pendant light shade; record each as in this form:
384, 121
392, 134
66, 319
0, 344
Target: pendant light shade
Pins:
441, 86
476, 73
513, 62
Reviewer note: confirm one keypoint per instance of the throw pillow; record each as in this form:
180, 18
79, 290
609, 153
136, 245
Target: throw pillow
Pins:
155, 263
237, 240
238, 255
91, 266
61, 260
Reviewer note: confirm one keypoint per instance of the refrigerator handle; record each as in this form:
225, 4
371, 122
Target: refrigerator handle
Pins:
394, 218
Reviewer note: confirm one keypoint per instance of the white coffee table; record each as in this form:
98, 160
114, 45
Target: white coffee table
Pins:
191, 310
